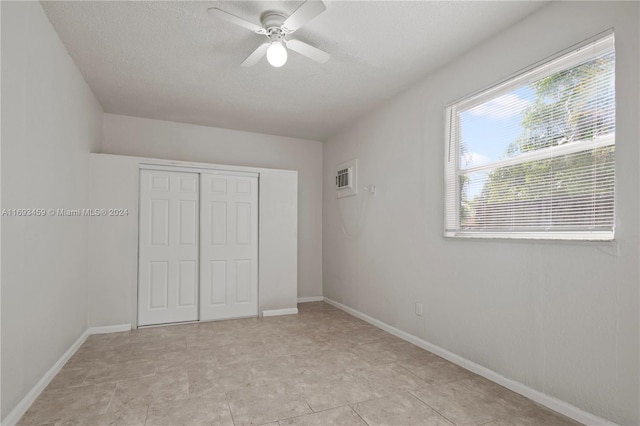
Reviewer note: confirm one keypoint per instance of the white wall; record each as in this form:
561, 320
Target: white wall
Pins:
50, 122
186, 142
278, 239
113, 242
559, 317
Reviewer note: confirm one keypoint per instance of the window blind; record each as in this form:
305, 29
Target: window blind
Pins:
534, 157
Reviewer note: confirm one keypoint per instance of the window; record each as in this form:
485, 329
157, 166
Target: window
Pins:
534, 156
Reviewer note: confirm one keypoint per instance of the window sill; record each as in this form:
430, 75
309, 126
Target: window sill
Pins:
599, 236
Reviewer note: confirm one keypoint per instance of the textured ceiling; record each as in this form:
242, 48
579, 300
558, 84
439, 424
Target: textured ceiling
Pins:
173, 61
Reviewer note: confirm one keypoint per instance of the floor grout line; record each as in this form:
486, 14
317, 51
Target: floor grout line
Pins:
146, 414
433, 408
358, 414
111, 399
226, 397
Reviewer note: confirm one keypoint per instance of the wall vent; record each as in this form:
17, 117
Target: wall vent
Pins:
343, 178
346, 177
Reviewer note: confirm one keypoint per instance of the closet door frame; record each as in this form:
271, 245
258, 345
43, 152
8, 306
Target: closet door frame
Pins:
198, 170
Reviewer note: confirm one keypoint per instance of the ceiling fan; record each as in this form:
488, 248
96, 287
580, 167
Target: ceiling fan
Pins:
276, 26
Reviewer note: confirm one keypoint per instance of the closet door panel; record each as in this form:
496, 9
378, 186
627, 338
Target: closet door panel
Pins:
229, 246
168, 247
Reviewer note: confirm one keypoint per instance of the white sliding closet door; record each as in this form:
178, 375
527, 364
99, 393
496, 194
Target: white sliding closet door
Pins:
169, 236
229, 246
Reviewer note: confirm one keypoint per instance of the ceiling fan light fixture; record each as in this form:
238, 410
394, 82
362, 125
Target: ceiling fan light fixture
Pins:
276, 25
276, 54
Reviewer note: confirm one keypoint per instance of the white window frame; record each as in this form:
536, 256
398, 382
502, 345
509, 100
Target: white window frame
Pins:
571, 57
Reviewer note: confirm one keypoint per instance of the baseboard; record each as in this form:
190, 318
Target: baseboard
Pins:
310, 299
14, 416
553, 403
276, 312
109, 329
22, 407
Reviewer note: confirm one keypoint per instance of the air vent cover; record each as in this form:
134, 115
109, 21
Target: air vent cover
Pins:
343, 178
346, 177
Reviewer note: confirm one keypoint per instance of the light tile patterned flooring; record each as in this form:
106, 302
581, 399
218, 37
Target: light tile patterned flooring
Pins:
320, 367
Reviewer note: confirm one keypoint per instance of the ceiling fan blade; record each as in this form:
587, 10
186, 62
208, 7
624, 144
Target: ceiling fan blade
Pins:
256, 55
236, 20
309, 51
306, 12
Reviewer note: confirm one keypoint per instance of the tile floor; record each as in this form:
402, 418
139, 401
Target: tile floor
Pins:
320, 367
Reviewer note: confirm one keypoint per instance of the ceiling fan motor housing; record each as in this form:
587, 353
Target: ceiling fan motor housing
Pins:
272, 21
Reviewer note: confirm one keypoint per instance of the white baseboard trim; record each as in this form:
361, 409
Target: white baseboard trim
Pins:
551, 402
14, 416
310, 299
22, 407
109, 329
276, 312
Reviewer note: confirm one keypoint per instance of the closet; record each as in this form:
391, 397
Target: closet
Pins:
198, 241
198, 246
